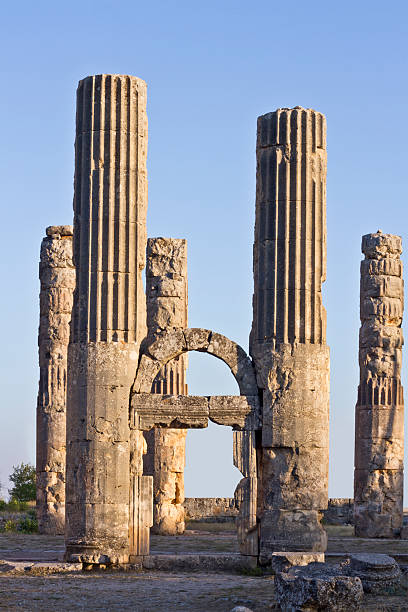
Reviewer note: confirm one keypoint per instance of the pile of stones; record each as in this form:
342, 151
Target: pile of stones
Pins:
317, 586
320, 586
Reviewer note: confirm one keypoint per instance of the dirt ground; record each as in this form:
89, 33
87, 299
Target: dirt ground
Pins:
142, 592
154, 591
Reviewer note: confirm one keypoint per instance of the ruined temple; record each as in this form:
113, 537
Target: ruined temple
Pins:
113, 358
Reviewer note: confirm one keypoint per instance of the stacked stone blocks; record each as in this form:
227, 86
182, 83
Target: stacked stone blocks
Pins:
57, 277
379, 442
167, 301
108, 319
288, 337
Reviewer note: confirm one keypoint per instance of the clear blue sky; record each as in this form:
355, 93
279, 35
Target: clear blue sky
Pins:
211, 69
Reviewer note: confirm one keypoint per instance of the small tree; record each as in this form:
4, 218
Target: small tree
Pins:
23, 479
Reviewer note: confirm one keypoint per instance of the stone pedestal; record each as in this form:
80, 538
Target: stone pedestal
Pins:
379, 574
288, 337
108, 318
379, 434
166, 296
57, 277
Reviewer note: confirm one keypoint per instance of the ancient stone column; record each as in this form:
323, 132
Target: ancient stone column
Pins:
379, 433
109, 314
288, 337
57, 277
166, 295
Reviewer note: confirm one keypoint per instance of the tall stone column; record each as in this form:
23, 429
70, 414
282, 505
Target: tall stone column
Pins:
379, 433
57, 277
109, 313
288, 337
166, 294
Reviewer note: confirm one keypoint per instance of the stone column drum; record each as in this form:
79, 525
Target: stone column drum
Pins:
288, 337
166, 298
57, 277
379, 433
109, 315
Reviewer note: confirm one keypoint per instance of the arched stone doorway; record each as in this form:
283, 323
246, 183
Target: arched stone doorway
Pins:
241, 412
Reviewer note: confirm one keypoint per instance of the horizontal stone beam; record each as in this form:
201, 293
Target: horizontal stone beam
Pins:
176, 411
241, 412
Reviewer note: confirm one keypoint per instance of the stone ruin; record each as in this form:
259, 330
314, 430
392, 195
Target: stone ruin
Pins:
57, 277
167, 299
117, 382
379, 448
288, 337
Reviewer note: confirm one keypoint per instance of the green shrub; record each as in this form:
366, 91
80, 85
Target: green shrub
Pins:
10, 525
23, 479
27, 525
3, 505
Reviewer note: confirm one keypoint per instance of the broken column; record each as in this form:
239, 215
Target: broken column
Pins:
57, 277
288, 337
109, 316
379, 433
166, 298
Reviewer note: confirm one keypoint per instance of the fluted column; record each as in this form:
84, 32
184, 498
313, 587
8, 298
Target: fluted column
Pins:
166, 295
288, 337
379, 434
108, 320
57, 277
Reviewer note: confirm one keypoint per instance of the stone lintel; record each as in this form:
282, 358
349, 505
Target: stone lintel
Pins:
188, 411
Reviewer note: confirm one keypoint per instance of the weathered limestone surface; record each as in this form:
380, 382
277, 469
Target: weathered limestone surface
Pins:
283, 561
340, 511
167, 301
210, 509
193, 412
57, 277
379, 434
378, 573
247, 491
104, 470
288, 337
318, 586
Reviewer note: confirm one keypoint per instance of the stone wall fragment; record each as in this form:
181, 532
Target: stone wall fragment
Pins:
211, 509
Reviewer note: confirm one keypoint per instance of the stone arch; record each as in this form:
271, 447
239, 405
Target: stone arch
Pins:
158, 351
148, 410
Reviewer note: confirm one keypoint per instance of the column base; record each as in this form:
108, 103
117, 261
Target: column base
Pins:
92, 555
291, 531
